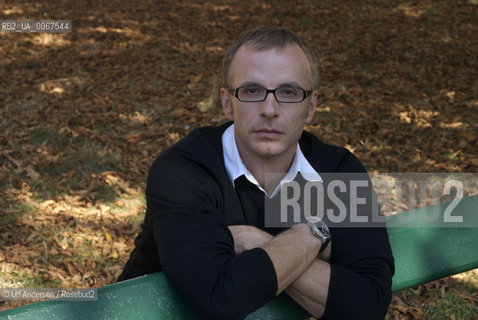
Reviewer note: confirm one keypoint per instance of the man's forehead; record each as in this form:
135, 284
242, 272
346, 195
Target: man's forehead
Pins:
251, 48
287, 64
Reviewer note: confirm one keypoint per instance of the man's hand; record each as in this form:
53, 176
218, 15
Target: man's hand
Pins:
248, 237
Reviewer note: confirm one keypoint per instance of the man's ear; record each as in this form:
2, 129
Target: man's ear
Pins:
312, 107
227, 104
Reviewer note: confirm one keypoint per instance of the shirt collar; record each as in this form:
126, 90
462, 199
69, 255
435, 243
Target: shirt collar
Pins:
236, 168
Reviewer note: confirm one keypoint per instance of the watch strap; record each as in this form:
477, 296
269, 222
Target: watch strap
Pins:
324, 245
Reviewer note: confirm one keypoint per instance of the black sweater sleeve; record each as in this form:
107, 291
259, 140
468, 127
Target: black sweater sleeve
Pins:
362, 266
196, 249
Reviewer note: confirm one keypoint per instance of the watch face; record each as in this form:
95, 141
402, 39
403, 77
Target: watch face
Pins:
319, 226
323, 229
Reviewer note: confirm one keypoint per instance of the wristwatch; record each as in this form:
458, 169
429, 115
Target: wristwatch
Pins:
320, 230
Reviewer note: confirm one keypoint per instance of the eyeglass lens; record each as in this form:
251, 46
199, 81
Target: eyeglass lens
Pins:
283, 94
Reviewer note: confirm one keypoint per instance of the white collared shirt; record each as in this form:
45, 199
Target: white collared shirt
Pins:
236, 168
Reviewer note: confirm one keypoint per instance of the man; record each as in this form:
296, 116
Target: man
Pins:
205, 220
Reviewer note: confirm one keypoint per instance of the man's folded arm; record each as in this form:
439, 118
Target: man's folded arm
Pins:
357, 293
351, 295
196, 248
198, 257
352, 288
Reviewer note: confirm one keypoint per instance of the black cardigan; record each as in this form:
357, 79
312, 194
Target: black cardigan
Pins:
190, 203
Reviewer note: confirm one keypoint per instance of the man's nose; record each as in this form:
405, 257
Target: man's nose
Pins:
270, 106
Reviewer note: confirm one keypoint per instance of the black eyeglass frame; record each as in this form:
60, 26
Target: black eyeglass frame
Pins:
234, 92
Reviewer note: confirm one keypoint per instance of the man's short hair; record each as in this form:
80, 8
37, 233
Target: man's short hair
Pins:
265, 38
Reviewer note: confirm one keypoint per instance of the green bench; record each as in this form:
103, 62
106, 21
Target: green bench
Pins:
422, 255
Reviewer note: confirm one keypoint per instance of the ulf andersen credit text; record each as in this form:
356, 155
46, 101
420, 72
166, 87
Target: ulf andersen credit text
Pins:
38, 294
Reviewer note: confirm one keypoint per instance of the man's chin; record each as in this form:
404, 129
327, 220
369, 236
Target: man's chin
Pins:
269, 150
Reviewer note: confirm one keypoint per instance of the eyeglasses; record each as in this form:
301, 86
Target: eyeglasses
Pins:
259, 94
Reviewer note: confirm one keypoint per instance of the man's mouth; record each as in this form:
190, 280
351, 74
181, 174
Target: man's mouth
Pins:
268, 133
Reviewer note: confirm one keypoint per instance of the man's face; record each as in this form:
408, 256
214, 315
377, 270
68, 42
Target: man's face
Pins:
269, 128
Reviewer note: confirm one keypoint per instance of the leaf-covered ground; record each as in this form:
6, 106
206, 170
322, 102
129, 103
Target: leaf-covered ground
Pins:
84, 114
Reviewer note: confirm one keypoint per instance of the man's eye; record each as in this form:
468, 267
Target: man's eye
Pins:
292, 92
251, 91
